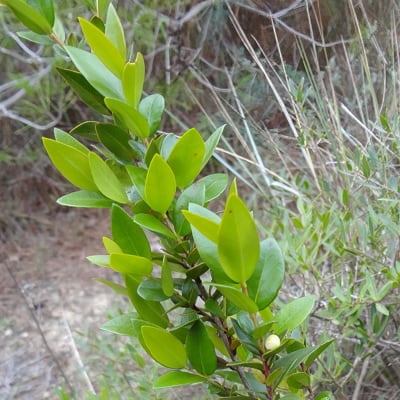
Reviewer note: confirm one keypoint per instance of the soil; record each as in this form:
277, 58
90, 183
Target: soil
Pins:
47, 293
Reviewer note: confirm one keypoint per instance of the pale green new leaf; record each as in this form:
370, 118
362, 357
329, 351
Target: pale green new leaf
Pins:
153, 224
130, 264
164, 347
206, 226
103, 48
238, 242
152, 107
211, 144
132, 80
160, 185
167, 282
66, 138
293, 314
186, 157
121, 325
103, 80
114, 31
72, 163
177, 378
106, 180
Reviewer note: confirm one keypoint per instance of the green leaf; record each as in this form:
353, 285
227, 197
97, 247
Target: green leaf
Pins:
207, 248
236, 296
111, 246
64, 137
96, 73
153, 224
29, 16
86, 92
186, 157
100, 260
73, 164
103, 48
35, 38
238, 242
167, 282
121, 325
291, 361
116, 140
293, 314
193, 194
45, 8
317, 351
128, 235
177, 378
245, 338
211, 143
152, 107
130, 264
205, 226
138, 178
85, 199
114, 31
160, 185
105, 179
132, 80
298, 380
118, 289
164, 347
151, 289
200, 349
130, 117
215, 184
86, 130
267, 279
151, 311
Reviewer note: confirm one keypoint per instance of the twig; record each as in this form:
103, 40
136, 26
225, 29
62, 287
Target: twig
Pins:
363, 372
39, 329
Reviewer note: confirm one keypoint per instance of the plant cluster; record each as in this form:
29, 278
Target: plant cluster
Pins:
203, 301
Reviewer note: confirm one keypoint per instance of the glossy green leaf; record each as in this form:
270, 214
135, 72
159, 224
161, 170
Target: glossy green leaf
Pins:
164, 347
211, 144
121, 325
86, 92
151, 311
114, 31
238, 242
237, 297
167, 282
131, 118
86, 130
153, 224
245, 338
298, 380
217, 341
267, 279
132, 80
105, 179
130, 264
100, 260
152, 107
45, 8
116, 140
186, 157
103, 80
66, 138
214, 184
128, 235
168, 142
293, 314
85, 199
177, 378
29, 16
138, 178
73, 164
103, 48
207, 248
290, 362
160, 185
317, 351
150, 289
200, 349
